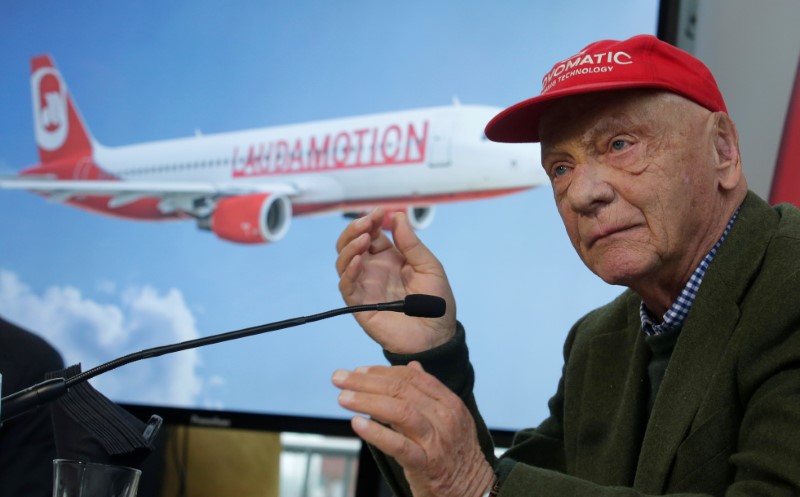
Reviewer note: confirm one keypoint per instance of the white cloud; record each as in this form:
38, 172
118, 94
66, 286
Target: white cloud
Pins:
93, 333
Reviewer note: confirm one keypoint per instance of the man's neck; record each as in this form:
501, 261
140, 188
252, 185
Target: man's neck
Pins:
659, 297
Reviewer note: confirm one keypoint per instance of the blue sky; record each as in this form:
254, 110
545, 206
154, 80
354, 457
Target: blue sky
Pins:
99, 287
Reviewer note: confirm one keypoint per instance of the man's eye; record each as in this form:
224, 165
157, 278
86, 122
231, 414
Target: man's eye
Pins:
559, 170
618, 145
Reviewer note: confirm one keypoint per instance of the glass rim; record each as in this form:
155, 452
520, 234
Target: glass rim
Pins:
76, 462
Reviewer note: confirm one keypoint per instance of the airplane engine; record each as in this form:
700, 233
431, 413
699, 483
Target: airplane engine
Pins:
419, 217
257, 218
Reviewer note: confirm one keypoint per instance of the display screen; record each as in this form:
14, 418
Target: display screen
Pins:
98, 287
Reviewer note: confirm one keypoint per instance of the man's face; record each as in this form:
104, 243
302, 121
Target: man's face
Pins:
633, 178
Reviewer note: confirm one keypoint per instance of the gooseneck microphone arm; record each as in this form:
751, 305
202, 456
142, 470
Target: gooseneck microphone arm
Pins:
417, 305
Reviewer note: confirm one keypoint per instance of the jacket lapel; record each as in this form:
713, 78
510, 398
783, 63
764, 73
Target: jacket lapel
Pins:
693, 362
612, 411
702, 342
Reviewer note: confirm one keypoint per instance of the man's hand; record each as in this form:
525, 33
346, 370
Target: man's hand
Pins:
373, 269
422, 424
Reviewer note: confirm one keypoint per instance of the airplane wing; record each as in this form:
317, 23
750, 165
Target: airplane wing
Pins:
243, 212
146, 188
174, 193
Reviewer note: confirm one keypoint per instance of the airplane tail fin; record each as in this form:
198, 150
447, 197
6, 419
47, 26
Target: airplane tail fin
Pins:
58, 127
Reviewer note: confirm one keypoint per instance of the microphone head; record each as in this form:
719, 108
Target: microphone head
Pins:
424, 306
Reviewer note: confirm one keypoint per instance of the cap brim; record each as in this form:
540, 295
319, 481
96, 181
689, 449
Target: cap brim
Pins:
520, 122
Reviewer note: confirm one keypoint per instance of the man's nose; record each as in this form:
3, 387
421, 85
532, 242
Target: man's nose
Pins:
589, 189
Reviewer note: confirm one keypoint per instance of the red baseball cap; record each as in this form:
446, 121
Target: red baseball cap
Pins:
643, 61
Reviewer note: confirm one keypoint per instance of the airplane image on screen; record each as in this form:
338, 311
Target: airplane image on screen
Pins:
245, 186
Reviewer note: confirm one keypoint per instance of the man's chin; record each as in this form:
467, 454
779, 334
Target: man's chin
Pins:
624, 271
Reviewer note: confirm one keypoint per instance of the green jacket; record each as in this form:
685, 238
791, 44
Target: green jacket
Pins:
726, 420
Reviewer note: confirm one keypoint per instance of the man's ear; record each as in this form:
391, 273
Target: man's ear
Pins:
726, 145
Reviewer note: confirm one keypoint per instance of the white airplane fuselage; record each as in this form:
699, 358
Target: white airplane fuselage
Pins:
245, 185
421, 156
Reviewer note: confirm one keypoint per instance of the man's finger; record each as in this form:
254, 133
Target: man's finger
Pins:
390, 442
391, 380
403, 415
412, 248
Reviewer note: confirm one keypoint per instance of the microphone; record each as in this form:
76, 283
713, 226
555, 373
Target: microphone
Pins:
415, 305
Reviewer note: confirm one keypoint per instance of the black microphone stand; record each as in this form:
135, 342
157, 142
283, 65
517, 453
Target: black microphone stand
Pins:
46, 391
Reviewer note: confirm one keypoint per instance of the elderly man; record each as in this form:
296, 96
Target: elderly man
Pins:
688, 383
